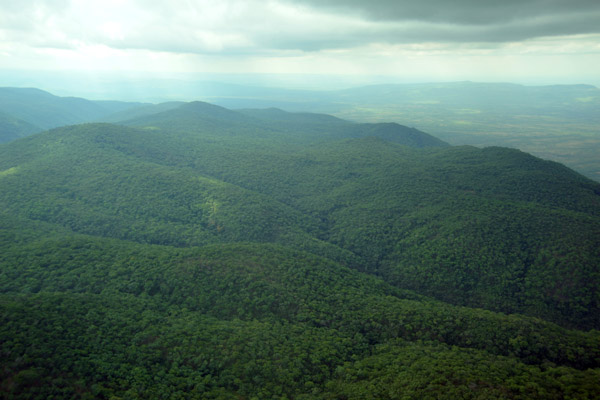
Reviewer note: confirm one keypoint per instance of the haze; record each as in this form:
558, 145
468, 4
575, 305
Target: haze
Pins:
299, 43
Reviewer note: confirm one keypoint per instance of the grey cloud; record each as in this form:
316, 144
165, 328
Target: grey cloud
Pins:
261, 28
423, 32
473, 12
469, 20
441, 21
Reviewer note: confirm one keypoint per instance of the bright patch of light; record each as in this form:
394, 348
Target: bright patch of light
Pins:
113, 30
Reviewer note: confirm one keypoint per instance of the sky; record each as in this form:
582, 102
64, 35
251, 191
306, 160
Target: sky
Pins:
522, 41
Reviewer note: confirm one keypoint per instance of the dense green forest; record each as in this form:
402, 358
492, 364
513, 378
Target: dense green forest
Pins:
193, 251
555, 122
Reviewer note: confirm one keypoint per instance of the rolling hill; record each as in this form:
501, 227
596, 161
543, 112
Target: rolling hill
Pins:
38, 110
200, 252
12, 128
556, 122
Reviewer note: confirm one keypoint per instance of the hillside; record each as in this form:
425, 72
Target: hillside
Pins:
275, 125
39, 110
195, 115
201, 252
556, 122
12, 128
140, 111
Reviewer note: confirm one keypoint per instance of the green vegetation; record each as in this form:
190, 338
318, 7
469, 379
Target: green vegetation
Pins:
558, 122
206, 253
24, 111
13, 128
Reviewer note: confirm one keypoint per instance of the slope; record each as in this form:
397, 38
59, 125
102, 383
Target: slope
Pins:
497, 228
195, 115
12, 128
542, 120
88, 179
141, 111
322, 127
45, 110
192, 259
277, 126
103, 317
489, 219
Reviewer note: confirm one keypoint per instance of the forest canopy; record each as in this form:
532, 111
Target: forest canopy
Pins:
200, 252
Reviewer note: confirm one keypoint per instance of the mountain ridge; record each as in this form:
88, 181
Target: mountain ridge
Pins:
389, 183
205, 253
44, 110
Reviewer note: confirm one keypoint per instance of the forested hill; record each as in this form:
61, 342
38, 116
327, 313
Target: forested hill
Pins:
37, 110
278, 125
24, 111
12, 128
202, 252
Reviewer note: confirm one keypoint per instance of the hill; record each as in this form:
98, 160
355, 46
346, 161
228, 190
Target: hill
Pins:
557, 122
194, 115
38, 110
484, 222
140, 111
12, 128
276, 125
206, 253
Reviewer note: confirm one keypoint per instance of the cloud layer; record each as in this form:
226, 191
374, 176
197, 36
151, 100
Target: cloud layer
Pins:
459, 12
311, 33
205, 26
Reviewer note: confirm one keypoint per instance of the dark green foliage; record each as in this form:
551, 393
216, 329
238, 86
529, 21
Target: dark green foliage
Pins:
432, 370
252, 320
215, 254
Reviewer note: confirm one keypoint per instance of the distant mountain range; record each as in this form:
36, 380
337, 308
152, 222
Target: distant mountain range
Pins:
40, 110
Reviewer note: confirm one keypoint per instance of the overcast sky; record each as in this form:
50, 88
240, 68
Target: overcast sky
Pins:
539, 41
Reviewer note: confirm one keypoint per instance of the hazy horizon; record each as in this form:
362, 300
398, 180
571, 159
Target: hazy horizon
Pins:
164, 87
297, 44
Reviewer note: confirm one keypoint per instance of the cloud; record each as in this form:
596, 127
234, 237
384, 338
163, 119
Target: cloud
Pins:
447, 38
266, 27
196, 26
470, 20
469, 12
